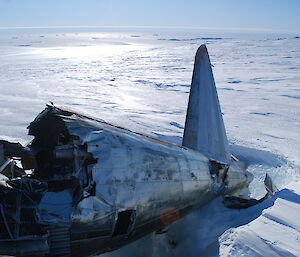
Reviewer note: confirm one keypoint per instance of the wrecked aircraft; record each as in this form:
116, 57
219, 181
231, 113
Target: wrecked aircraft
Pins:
87, 187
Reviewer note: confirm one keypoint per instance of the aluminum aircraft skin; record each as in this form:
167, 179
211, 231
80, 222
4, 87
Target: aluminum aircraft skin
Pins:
95, 187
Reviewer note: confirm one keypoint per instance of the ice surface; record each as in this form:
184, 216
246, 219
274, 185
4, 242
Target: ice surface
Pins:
275, 233
142, 83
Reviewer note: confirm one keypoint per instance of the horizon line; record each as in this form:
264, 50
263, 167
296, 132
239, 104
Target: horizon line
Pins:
149, 27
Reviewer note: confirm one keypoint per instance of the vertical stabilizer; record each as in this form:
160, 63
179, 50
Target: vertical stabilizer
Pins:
204, 127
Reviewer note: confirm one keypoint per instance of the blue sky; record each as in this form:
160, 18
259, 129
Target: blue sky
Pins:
276, 15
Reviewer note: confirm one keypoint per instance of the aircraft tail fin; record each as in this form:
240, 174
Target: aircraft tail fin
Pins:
204, 127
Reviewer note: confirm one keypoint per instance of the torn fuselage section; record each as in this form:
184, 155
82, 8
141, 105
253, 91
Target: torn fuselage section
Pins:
62, 158
40, 185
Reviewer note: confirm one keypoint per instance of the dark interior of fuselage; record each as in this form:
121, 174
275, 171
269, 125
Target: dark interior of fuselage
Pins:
61, 158
54, 157
54, 161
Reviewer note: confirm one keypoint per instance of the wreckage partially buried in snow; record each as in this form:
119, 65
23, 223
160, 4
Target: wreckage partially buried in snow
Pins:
94, 186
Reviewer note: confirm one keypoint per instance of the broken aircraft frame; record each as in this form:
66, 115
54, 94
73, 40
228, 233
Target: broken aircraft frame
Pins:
95, 186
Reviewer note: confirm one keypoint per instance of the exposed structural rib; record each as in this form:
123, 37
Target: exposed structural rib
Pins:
204, 126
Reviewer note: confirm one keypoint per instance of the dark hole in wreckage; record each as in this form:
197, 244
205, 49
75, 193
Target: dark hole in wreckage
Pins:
123, 223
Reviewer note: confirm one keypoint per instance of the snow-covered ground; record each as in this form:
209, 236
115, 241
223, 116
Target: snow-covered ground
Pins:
140, 80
